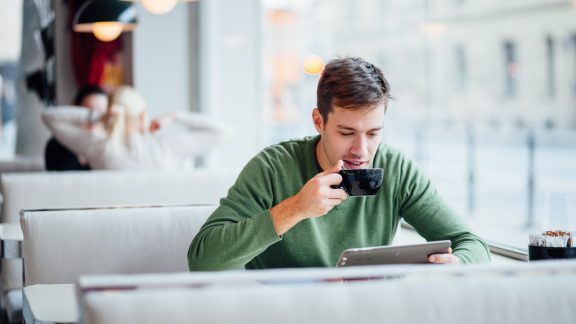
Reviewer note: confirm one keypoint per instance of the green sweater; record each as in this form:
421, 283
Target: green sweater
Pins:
240, 232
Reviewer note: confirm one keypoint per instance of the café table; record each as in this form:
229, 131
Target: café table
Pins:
50, 303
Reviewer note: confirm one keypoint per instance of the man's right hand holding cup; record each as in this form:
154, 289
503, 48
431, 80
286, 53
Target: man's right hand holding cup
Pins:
315, 199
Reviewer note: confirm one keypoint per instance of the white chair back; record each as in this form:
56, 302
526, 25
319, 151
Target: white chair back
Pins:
61, 245
21, 163
105, 188
521, 293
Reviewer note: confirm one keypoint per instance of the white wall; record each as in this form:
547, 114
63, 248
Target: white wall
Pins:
161, 52
165, 70
231, 86
10, 30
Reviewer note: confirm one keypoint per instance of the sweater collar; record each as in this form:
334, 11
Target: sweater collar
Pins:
314, 148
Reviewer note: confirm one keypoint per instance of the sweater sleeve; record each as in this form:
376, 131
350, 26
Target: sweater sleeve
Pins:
423, 208
67, 124
241, 227
198, 135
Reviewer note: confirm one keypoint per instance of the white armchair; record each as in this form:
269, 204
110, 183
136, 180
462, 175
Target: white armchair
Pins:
61, 245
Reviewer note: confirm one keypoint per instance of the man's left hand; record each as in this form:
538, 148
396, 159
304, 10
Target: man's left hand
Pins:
444, 258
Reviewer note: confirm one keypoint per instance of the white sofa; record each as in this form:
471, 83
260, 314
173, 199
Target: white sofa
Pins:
521, 293
81, 189
20, 163
61, 245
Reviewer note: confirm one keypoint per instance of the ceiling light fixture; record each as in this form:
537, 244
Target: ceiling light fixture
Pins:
159, 7
106, 19
313, 64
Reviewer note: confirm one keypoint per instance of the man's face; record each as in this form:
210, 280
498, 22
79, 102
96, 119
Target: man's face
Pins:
96, 102
349, 135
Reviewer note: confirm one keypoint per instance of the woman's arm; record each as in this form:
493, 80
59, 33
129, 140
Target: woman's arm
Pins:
193, 121
69, 125
199, 133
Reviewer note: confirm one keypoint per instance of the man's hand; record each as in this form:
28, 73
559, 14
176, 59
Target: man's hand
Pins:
315, 199
444, 258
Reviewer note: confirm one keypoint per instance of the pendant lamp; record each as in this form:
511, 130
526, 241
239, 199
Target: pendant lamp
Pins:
159, 7
106, 19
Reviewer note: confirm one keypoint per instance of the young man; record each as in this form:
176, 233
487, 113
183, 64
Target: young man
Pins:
282, 212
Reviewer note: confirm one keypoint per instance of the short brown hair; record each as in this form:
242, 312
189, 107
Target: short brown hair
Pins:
351, 83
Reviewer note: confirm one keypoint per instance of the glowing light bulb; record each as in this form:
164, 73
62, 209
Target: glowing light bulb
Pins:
159, 7
434, 29
107, 31
313, 64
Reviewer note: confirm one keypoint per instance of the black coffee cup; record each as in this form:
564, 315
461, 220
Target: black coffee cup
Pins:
361, 182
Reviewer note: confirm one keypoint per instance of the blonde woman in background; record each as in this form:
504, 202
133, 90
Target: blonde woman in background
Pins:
123, 138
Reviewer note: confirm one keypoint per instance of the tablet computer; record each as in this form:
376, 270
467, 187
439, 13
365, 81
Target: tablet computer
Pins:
392, 254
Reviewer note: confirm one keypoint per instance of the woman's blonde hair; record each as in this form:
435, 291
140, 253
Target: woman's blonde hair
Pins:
129, 106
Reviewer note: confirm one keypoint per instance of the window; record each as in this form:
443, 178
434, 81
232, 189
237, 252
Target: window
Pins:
492, 158
352, 11
550, 66
460, 61
573, 45
511, 68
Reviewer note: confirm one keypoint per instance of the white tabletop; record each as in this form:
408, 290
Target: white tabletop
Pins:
55, 303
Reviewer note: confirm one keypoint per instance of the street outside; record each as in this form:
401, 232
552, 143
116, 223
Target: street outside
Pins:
498, 206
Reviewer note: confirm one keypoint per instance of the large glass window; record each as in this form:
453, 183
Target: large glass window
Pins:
550, 66
511, 68
460, 65
573, 48
472, 82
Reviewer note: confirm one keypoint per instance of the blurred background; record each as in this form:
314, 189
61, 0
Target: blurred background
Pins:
484, 91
